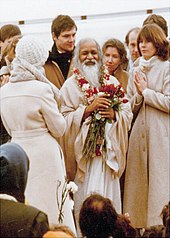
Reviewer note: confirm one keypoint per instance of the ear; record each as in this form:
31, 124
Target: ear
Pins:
54, 36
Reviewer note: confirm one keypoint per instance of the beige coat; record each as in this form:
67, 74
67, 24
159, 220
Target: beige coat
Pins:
147, 186
31, 116
54, 74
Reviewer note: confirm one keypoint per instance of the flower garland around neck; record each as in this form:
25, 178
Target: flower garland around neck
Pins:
91, 92
95, 143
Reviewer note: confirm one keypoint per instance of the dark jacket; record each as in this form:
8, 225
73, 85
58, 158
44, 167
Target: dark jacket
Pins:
58, 67
20, 220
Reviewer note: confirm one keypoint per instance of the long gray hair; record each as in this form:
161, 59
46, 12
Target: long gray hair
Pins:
76, 60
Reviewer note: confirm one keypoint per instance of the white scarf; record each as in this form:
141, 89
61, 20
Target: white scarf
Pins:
145, 65
24, 71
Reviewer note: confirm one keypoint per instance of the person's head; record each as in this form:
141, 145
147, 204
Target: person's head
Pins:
9, 51
114, 54
14, 170
31, 50
99, 219
152, 41
63, 31
159, 20
59, 231
88, 58
165, 215
131, 42
7, 32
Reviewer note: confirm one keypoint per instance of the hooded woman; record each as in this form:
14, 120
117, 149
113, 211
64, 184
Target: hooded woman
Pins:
17, 219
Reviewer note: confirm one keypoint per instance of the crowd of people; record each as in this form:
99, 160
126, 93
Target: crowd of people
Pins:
90, 114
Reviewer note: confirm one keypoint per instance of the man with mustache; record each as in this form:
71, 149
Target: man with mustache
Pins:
101, 171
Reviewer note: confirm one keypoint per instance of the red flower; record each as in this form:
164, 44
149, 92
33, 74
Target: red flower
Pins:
76, 71
95, 91
124, 100
89, 92
82, 81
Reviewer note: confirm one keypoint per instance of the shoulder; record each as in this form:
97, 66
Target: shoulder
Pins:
20, 208
70, 83
113, 79
24, 220
54, 74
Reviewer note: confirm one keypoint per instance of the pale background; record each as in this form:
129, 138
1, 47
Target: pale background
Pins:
104, 18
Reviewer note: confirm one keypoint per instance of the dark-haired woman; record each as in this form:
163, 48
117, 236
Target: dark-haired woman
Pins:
147, 172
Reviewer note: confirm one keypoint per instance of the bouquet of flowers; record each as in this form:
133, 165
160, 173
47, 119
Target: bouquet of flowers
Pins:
66, 189
95, 143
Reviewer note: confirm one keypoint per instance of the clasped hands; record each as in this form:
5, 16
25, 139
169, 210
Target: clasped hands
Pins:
102, 104
140, 82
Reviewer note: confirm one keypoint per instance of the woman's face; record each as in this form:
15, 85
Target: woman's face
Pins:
147, 49
111, 58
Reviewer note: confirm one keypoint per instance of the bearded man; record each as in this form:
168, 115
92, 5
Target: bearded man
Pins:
100, 171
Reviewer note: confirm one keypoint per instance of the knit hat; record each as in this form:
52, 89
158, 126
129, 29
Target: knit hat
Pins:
32, 50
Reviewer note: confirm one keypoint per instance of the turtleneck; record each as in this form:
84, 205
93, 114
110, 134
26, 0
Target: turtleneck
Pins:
62, 59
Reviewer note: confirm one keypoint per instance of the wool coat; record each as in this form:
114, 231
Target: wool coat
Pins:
31, 116
147, 184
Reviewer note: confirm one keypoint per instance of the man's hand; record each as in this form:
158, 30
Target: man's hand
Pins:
100, 103
108, 113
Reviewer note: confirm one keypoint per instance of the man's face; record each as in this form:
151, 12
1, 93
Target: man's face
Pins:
65, 42
133, 45
88, 53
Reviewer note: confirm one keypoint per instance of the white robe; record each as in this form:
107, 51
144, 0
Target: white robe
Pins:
97, 175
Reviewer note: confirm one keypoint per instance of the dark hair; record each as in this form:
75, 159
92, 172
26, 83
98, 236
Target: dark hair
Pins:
8, 31
135, 29
159, 20
153, 33
62, 23
165, 215
99, 219
120, 48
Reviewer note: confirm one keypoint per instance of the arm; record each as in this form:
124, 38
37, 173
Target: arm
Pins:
156, 99
54, 120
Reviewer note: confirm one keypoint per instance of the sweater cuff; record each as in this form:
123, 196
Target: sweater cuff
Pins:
138, 99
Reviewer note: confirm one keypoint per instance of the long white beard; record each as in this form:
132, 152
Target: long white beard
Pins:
91, 72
